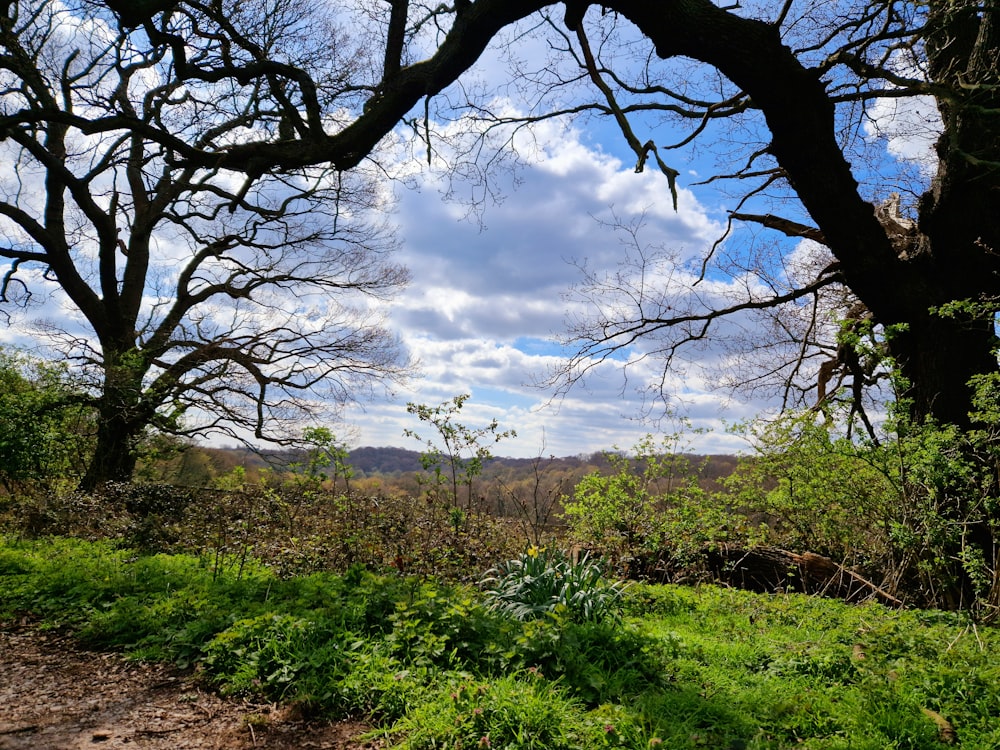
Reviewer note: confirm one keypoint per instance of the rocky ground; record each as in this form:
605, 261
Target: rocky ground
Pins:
55, 696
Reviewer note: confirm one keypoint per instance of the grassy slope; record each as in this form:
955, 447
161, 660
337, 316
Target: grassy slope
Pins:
705, 668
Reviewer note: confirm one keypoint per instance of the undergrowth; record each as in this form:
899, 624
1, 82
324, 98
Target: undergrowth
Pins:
430, 665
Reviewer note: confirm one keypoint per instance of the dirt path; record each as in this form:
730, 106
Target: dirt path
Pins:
54, 696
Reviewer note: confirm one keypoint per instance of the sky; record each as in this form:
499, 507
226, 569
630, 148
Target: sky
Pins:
488, 299
487, 302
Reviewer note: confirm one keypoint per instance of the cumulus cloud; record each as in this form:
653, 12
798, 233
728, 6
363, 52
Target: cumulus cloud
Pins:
487, 300
908, 125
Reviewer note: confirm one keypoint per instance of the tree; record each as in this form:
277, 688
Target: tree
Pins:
45, 426
327, 452
461, 450
203, 301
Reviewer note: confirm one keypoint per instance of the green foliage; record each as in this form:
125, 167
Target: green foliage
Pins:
794, 671
650, 504
327, 453
615, 513
283, 656
45, 422
432, 667
462, 451
440, 626
513, 712
810, 490
603, 662
544, 581
914, 509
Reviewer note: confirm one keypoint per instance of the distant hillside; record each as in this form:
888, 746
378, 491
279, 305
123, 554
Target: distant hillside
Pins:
394, 462
364, 461
384, 461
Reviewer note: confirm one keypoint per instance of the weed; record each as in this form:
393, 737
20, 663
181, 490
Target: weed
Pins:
516, 712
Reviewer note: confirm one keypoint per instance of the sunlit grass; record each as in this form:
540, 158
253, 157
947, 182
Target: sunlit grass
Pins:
430, 665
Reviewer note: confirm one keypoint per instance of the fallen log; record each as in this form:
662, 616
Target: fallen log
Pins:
769, 570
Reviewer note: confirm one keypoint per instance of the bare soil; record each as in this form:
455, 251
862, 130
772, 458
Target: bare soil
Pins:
56, 696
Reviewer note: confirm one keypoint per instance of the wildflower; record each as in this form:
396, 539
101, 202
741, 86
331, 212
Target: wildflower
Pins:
533, 551
477, 711
655, 742
609, 728
484, 741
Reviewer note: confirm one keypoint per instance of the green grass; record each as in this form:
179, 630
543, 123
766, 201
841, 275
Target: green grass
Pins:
432, 666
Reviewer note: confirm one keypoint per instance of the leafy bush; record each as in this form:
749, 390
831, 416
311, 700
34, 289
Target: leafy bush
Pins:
46, 425
600, 662
649, 512
544, 580
434, 625
913, 509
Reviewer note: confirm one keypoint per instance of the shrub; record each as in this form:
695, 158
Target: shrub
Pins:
911, 507
649, 510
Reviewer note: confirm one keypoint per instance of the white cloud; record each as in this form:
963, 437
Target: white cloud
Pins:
487, 302
909, 125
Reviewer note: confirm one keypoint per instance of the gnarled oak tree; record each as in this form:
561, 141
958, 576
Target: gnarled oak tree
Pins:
228, 297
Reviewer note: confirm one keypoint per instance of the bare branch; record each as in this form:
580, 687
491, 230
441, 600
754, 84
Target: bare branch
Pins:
785, 226
641, 150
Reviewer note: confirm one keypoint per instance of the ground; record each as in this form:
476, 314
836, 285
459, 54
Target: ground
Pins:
56, 696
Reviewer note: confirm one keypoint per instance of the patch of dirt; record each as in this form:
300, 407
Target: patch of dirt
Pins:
55, 696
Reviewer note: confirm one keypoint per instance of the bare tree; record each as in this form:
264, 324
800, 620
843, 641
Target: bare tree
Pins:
237, 303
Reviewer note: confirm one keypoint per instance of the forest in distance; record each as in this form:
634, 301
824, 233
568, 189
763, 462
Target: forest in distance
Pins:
200, 463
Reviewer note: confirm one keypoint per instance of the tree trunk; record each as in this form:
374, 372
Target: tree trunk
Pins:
937, 357
120, 419
114, 454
